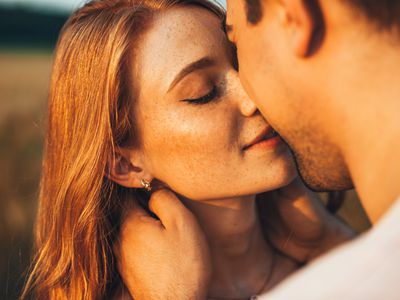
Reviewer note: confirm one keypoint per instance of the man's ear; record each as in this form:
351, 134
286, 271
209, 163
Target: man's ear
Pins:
303, 19
126, 168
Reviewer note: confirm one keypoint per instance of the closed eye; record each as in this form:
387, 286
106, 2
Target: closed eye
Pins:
204, 99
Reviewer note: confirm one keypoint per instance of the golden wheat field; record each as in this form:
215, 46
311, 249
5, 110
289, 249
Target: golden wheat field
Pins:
24, 78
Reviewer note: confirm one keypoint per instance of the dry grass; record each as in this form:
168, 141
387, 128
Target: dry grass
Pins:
23, 90
24, 79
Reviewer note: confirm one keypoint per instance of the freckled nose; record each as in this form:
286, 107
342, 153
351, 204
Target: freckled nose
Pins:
247, 107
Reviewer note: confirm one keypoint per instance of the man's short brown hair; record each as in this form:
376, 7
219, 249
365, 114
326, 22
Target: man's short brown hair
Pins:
384, 13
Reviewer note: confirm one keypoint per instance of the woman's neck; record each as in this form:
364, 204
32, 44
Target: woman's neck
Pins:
242, 260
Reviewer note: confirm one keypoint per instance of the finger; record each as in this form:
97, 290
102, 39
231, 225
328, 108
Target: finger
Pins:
136, 219
134, 230
297, 200
133, 214
171, 211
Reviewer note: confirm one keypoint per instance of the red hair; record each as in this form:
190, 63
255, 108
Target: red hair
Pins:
88, 115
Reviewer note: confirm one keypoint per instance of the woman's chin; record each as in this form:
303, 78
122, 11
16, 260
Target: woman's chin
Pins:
255, 177
280, 177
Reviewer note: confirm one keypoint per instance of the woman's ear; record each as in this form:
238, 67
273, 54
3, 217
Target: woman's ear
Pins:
302, 23
126, 168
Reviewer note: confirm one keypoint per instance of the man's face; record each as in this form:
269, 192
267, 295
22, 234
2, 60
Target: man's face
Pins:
288, 93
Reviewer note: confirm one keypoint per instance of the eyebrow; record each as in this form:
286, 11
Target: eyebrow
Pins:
200, 64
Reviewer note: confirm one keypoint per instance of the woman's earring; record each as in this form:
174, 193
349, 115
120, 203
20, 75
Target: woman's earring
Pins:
146, 185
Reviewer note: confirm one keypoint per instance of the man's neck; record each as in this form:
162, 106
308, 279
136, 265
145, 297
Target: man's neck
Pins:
241, 257
371, 131
374, 163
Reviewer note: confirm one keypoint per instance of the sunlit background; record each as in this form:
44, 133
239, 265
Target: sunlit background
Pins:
28, 32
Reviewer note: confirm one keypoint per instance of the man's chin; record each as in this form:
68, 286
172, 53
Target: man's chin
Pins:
321, 183
323, 187
323, 178
321, 167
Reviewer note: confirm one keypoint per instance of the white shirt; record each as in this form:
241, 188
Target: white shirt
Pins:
367, 268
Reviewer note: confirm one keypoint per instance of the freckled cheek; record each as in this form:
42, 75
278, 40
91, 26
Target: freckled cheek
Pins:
187, 146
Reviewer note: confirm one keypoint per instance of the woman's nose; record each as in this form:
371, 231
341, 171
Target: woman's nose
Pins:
247, 106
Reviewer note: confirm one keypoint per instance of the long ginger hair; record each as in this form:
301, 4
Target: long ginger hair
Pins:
89, 114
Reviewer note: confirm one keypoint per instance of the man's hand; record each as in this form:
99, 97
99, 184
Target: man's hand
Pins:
166, 259
297, 224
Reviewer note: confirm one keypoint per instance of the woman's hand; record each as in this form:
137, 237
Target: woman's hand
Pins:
169, 259
166, 259
297, 223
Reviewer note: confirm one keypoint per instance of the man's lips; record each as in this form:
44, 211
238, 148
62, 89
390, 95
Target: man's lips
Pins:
267, 134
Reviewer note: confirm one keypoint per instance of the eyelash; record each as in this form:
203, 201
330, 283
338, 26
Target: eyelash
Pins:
204, 99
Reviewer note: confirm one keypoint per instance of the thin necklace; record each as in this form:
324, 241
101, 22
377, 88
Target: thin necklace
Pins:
255, 296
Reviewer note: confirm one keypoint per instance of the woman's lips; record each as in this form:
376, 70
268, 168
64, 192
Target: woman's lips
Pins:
267, 139
271, 143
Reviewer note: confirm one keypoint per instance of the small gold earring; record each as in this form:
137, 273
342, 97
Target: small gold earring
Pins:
146, 185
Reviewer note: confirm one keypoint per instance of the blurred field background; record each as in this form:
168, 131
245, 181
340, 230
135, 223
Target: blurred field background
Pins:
27, 38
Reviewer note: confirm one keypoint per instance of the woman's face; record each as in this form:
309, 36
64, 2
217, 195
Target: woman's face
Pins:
197, 128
